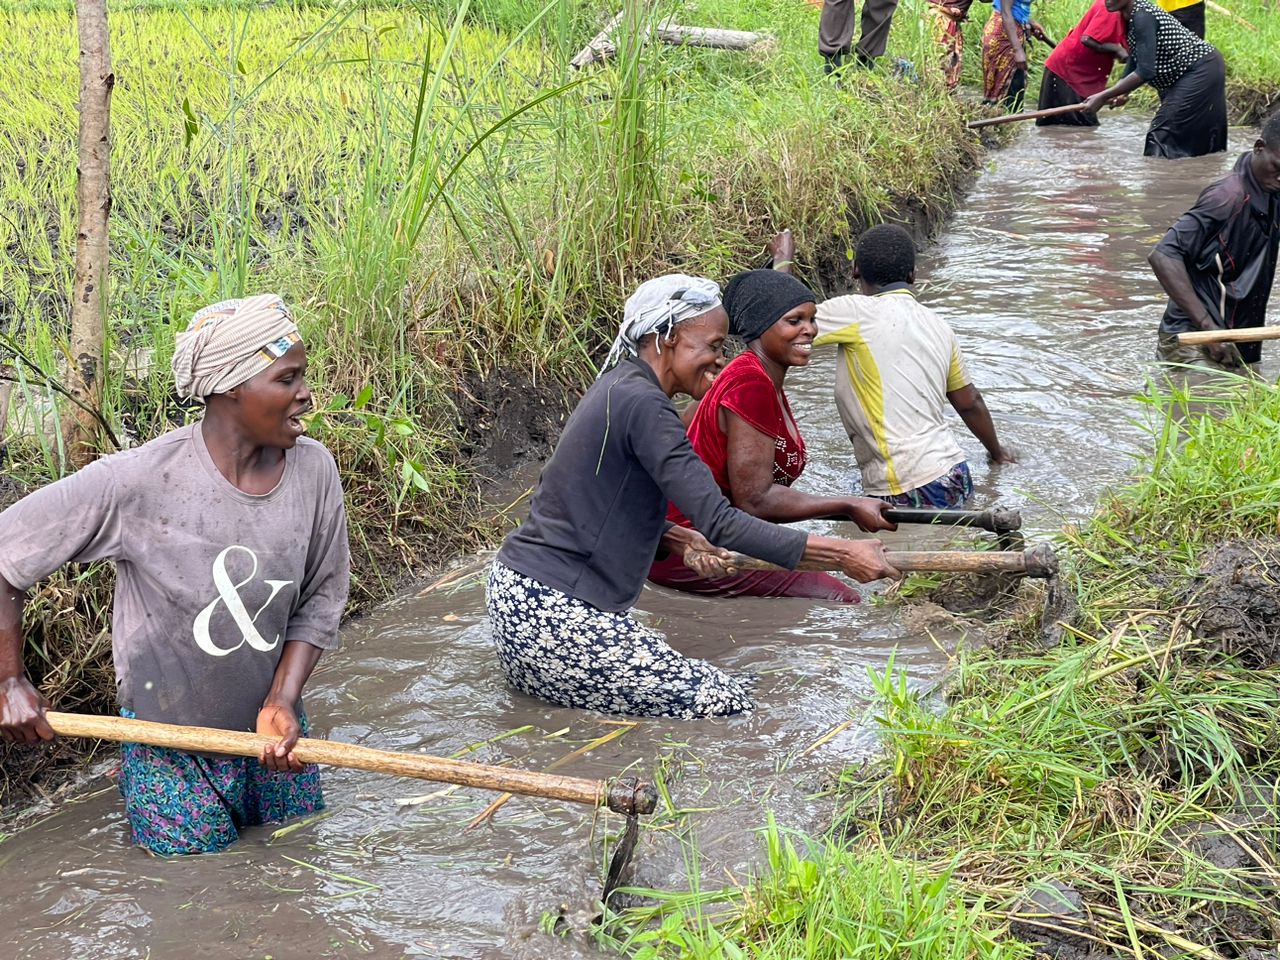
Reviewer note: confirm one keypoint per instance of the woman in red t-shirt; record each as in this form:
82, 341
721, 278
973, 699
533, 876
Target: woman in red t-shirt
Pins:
1081, 64
744, 430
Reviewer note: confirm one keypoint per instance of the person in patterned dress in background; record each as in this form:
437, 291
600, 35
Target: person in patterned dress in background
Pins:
948, 17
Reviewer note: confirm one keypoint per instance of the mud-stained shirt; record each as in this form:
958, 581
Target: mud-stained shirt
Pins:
1229, 242
210, 581
898, 361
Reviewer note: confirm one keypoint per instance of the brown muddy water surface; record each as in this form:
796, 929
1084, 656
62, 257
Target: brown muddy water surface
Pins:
1043, 275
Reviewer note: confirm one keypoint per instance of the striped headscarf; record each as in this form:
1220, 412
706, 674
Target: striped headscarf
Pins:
657, 306
227, 343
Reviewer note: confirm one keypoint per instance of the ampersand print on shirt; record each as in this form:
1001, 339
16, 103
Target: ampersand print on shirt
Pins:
229, 596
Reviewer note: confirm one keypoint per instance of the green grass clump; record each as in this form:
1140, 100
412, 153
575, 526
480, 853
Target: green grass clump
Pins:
822, 902
1093, 763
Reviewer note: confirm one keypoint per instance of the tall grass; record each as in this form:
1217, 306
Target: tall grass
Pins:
437, 197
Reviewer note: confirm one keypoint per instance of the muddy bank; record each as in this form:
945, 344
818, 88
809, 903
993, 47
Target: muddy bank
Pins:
1176, 703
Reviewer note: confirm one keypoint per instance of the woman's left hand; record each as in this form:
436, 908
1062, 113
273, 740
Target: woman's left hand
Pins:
706, 560
869, 514
277, 720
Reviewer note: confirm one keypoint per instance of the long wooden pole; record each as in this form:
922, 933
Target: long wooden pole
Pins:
1037, 562
1032, 115
1243, 335
602, 46
1219, 8
995, 520
631, 798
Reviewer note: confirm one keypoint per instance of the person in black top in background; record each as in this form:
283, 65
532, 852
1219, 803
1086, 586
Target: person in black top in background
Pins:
1188, 73
1218, 262
562, 585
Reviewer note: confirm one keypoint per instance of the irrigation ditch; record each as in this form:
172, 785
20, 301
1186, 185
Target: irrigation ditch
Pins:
1112, 796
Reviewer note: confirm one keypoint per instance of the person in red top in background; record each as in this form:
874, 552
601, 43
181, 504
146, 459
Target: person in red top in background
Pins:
743, 429
1081, 65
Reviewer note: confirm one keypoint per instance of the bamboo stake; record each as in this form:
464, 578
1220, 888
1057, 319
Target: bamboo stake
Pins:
594, 793
87, 369
1243, 335
1031, 115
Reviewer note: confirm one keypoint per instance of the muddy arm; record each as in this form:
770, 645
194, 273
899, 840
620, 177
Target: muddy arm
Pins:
22, 706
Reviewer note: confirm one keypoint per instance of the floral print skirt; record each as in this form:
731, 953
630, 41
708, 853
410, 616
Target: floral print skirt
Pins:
567, 652
179, 802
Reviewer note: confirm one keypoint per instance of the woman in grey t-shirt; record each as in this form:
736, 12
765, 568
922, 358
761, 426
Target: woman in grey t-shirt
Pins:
230, 546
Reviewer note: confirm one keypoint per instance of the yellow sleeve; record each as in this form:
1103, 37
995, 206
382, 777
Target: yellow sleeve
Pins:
838, 319
957, 374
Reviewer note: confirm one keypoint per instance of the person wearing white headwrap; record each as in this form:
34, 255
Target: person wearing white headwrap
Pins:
230, 543
562, 587
656, 307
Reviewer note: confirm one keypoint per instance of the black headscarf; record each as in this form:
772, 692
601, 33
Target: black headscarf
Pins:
757, 299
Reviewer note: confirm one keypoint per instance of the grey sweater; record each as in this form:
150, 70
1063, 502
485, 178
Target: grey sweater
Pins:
600, 507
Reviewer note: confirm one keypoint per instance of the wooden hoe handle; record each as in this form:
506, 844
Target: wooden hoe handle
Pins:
1039, 561
1030, 115
995, 520
1243, 335
625, 796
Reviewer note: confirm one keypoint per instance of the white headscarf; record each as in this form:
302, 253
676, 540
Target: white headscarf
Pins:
657, 306
229, 342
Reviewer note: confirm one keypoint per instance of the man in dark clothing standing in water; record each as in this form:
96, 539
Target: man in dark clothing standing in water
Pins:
835, 31
1218, 262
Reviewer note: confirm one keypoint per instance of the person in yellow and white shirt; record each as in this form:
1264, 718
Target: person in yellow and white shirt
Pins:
1189, 13
899, 367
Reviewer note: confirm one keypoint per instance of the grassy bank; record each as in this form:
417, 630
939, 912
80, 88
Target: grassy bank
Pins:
1116, 793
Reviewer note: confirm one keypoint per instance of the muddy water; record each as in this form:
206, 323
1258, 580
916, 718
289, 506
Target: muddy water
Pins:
1043, 276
